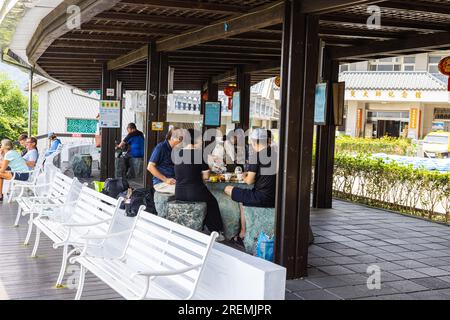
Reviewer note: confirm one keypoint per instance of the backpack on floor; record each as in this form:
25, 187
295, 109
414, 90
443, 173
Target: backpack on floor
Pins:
140, 197
113, 187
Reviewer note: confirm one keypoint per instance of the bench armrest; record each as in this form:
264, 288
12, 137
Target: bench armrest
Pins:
107, 236
90, 224
165, 273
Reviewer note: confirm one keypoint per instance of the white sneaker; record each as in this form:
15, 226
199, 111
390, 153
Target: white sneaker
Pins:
220, 238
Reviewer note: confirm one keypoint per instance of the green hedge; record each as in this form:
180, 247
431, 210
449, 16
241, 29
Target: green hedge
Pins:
392, 186
397, 146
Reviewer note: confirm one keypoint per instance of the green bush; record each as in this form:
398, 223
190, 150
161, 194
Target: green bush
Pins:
388, 145
392, 186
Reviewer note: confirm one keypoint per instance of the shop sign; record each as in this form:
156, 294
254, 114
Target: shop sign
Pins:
413, 118
157, 126
359, 119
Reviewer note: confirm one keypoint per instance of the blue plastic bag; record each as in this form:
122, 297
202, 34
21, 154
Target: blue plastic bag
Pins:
264, 247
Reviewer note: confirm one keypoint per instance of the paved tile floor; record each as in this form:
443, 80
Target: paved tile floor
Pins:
412, 255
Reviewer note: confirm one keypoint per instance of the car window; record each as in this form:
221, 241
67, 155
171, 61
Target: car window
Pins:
437, 139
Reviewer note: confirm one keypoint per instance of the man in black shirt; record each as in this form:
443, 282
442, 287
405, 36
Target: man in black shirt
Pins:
262, 169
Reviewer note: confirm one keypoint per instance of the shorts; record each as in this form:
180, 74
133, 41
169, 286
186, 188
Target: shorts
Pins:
21, 176
251, 198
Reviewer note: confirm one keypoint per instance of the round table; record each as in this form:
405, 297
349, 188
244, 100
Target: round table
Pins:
229, 209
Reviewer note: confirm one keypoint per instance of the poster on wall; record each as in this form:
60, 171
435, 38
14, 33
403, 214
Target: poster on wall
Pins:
320, 106
109, 114
236, 112
212, 116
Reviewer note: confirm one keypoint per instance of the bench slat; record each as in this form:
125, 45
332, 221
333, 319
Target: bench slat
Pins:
181, 241
152, 240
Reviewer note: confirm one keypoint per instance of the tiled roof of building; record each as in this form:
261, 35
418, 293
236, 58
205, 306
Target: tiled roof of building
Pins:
392, 80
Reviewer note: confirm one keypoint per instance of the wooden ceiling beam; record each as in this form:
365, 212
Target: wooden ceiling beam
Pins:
429, 7
55, 24
154, 19
361, 21
254, 20
188, 5
410, 44
92, 45
325, 6
129, 58
230, 42
100, 37
360, 34
131, 30
86, 51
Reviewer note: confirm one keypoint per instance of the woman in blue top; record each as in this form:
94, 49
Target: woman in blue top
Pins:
13, 160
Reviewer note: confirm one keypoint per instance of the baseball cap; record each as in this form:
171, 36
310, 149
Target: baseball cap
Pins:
50, 134
259, 134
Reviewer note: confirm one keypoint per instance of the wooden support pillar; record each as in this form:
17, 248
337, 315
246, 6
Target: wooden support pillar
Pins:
110, 136
325, 143
213, 91
299, 74
152, 112
244, 86
163, 93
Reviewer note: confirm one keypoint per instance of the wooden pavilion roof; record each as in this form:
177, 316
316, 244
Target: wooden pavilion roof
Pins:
192, 33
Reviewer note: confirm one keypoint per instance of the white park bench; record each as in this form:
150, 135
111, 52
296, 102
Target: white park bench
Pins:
161, 260
34, 182
93, 214
59, 190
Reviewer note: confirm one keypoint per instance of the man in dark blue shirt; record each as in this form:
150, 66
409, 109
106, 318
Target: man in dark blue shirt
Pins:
161, 165
135, 143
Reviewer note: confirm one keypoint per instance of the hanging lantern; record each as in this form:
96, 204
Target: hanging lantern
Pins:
278, 81
205, 96
444, 68
228, 91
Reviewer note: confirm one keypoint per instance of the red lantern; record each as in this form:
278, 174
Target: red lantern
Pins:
229, 90
205, 96
444, 68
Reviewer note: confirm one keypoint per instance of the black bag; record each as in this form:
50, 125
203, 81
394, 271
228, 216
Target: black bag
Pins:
113, 187
123, 195
140, 197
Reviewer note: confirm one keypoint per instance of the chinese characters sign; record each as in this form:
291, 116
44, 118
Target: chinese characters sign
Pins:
109, 114
413, 118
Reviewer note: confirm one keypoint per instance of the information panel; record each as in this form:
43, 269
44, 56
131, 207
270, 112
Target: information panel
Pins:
236, 112
109, 114
320, 108
212, 114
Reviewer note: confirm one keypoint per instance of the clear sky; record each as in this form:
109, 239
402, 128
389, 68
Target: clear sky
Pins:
15, 74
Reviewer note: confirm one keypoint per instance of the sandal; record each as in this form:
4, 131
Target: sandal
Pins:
237, 240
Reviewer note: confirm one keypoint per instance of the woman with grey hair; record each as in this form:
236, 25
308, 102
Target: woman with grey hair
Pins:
13, 161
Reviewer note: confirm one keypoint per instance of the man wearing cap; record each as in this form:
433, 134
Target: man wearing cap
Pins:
55, 143
261, 173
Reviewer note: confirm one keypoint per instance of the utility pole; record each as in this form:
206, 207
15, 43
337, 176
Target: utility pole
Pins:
30, 102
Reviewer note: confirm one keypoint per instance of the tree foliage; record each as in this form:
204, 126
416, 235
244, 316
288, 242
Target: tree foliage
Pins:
14, 109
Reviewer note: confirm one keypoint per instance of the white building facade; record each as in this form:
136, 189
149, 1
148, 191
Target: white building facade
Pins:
401, 96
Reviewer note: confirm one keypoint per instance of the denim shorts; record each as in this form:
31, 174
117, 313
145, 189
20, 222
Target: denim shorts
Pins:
21, 176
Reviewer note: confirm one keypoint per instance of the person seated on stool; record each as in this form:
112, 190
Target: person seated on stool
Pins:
161, 165
32, 154
136, 144
55, 143
190, 173
12, 165
262, 169
23, 143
